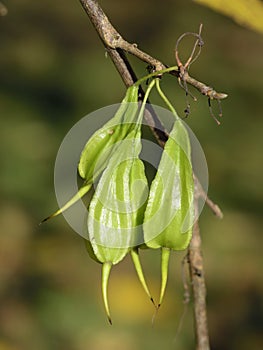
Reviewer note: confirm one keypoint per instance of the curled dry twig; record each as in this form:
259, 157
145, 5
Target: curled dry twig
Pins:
185, 78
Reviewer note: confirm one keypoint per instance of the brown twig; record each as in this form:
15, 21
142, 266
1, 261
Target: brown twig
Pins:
116, 47
201, 193
196, 267
112, 39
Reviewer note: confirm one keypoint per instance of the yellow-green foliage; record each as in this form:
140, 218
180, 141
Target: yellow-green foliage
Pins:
248, 13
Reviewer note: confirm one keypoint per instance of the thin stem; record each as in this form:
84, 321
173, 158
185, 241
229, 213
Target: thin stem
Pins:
165, 99
157, 73
199, 42
147, 93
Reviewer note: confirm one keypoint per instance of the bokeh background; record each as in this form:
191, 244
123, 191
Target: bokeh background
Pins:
53, 71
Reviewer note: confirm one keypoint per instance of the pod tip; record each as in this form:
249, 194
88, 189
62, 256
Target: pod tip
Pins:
47, 218
110, 320
42, 222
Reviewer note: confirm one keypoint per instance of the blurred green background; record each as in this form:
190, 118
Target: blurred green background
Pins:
53, 71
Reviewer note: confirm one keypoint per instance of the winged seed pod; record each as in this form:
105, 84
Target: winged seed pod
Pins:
117, 208
102, 144
169, 214
116, 226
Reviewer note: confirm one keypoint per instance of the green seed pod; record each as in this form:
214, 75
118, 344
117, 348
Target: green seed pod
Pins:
169, 214
116, 213
117, 208
102, 144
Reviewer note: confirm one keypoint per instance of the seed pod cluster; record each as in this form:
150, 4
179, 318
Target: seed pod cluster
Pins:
124, 214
